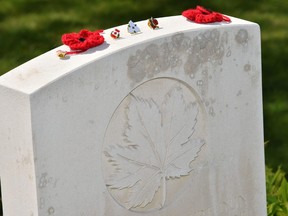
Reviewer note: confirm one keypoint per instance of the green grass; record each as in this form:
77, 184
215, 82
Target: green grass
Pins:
277, 193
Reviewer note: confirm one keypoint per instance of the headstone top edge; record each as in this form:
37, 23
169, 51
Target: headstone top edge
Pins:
46, 68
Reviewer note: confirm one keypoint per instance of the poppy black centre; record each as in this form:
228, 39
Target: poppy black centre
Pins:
82, 39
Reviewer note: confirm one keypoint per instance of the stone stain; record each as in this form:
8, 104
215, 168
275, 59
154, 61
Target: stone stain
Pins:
28, 74
239, 93
44, 181
180, 50
64, 99
193, 55
206, 47
247, 67
252, 73
51, 211
228, 54
24, 160
42, 202
242, 37
212, 112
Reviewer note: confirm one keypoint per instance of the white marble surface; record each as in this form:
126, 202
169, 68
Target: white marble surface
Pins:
162, 123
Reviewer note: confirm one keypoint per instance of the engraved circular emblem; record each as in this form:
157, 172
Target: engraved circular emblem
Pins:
152, 144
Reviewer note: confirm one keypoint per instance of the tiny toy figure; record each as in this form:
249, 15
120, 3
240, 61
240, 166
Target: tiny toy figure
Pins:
132, 28
153, 23
115, 33
61, 54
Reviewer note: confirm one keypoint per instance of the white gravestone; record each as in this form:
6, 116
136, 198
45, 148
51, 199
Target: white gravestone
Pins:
166, 122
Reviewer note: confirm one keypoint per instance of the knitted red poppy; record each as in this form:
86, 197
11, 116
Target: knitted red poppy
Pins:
203, 15
82, 41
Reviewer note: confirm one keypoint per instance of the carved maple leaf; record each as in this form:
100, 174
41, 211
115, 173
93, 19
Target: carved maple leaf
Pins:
158, 146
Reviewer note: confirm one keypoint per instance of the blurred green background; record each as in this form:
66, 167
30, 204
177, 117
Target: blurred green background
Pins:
29, 28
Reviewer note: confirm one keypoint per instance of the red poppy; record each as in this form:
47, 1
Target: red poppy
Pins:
83, 40
203, 15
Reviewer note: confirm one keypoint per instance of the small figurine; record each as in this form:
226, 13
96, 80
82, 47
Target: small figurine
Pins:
132, 28
115, 33
153, 23
61, 54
